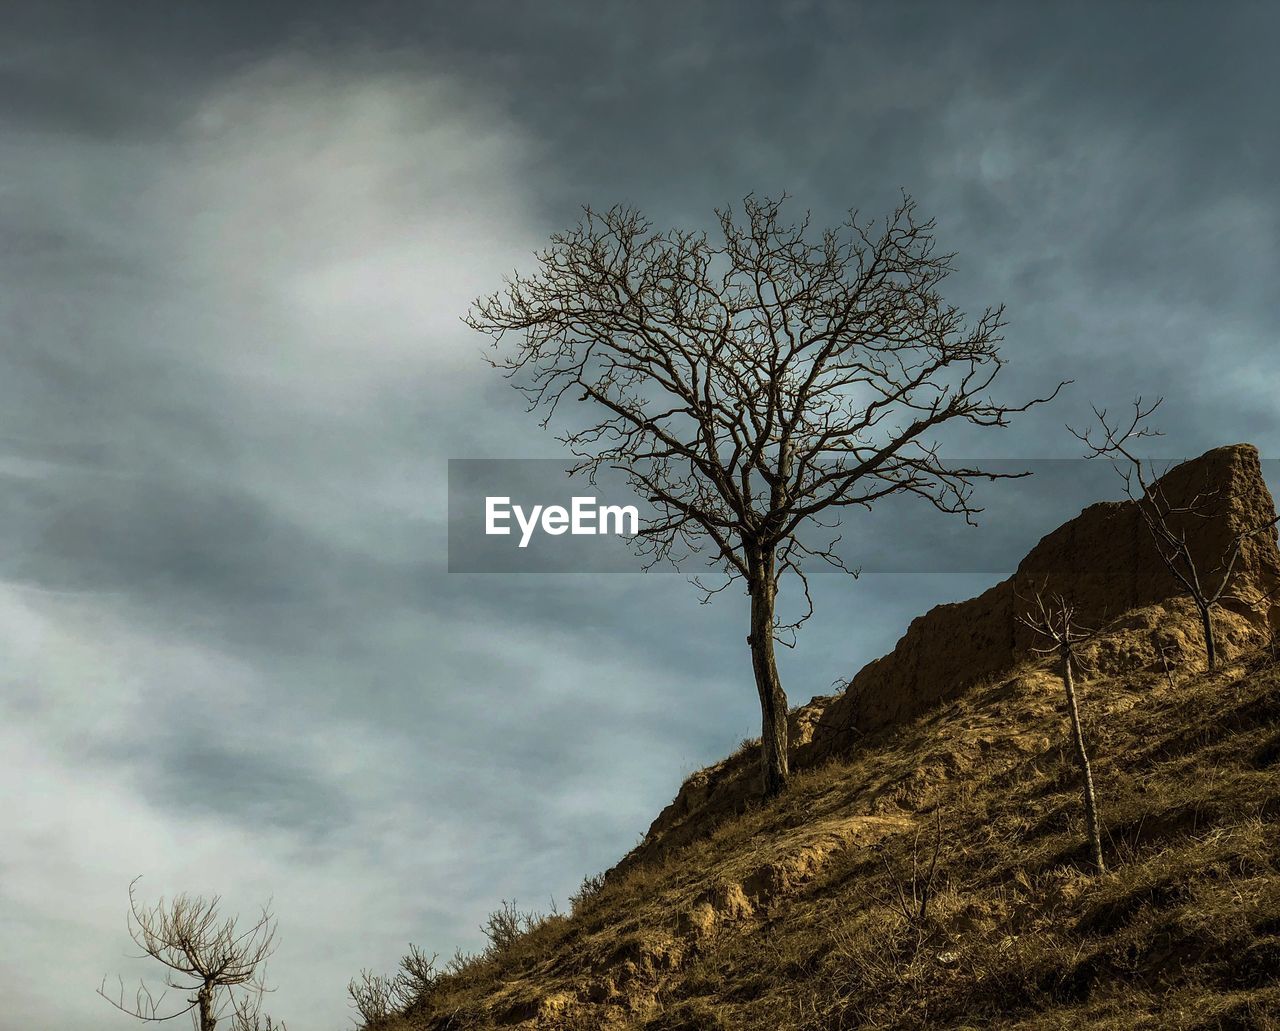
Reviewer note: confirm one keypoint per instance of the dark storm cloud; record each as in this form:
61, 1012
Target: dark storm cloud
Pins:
240, 782
234, 242
44, 99
160, 537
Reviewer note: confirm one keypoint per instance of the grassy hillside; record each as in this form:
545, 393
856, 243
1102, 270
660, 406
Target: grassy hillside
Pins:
799, 914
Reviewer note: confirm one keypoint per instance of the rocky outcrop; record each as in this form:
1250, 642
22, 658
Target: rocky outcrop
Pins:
1103, 561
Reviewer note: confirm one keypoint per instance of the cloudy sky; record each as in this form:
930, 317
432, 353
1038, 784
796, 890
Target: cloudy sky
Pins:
235, 241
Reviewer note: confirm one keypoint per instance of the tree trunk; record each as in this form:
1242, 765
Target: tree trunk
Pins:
774, 766
204, 999
1210, 645
1082, 757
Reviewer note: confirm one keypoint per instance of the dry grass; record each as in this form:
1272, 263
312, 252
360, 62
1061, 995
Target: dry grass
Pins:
788, 916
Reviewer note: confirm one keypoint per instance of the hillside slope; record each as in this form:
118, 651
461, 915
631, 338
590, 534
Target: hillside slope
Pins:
808, 913
788, 916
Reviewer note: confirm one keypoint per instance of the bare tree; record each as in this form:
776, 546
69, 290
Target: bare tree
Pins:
207, 955
1166, 521
1055, 621
753, 386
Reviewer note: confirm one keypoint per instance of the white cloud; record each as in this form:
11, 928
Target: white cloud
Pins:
358, 212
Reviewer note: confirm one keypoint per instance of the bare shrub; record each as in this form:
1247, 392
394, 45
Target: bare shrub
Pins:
915, 889
506, 925
590, 888
376, 997
255, 1021
462, 963
418, 973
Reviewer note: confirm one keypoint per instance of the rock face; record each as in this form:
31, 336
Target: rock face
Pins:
1103, 561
